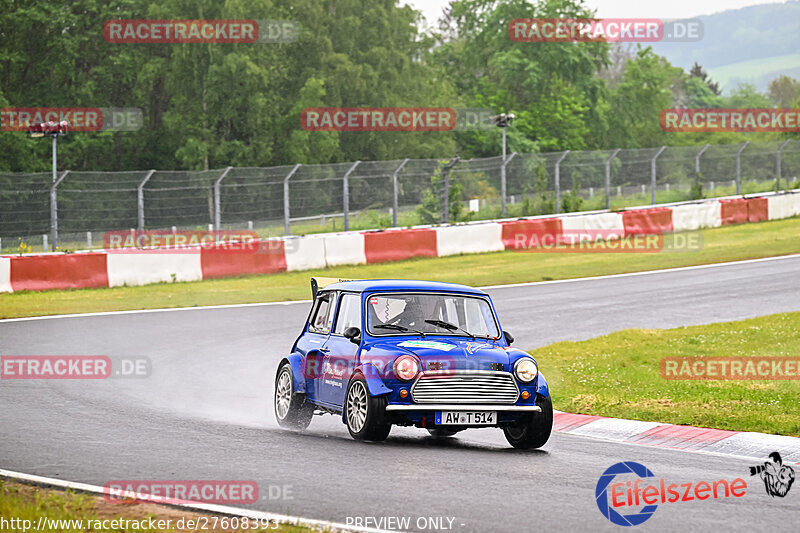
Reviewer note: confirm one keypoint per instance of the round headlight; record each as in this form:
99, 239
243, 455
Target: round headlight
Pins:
526, 370
406, 367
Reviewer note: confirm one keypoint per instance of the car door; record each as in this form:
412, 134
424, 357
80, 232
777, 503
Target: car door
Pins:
312, 342
340, 352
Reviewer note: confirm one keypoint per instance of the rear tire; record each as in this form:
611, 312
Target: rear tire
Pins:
365, 415
534, 429
292, 411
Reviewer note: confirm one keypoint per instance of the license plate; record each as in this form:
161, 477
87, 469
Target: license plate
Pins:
466, 418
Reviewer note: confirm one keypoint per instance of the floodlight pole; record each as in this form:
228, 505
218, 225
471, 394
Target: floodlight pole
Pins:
502, 121
503, 186
54, 208
54, 200
52, 129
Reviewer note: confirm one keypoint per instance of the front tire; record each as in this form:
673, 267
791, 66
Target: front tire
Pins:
292, 411
365, 415
533, 430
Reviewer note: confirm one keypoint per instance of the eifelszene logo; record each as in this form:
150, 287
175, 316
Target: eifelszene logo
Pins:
777, 477
614, 496
602, 499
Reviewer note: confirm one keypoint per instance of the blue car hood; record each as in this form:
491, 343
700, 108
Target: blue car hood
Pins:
459, 353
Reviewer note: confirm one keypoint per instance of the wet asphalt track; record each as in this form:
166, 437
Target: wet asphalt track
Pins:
205, 413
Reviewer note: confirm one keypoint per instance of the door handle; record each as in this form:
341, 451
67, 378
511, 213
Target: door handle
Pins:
324, 349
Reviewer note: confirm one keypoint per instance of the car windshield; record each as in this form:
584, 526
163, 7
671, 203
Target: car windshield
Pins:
435, 314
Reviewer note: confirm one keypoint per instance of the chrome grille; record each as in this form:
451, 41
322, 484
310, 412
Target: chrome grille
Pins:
472, 387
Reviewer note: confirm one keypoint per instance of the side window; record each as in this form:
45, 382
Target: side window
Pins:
349, 313
322, 317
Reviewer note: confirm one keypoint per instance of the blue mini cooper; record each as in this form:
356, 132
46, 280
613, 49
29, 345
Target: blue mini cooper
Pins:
411, 353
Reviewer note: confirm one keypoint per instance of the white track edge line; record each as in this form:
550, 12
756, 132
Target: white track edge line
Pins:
508, 286
644, 272
213, 508
160, 310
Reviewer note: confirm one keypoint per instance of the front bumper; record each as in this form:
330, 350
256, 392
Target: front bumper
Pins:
462, 407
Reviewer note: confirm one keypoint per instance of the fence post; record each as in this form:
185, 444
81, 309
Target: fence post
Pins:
503, 187
697, 159
608, 177
653, 175
778, 164
217, 202
286, 210
558, 181
697, 165
446, 189
54, 206
346, 195
395, 205
140, 199
739, 167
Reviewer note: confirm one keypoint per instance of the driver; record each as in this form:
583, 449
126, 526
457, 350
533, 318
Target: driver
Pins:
412, 316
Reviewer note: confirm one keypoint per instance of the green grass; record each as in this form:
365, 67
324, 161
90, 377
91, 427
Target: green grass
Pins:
28, 503
618, 376
729, 243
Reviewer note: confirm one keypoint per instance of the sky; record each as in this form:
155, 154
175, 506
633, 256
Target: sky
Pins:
625, 8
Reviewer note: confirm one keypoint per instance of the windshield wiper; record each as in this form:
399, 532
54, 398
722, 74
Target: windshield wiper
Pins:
448, 326
398, 328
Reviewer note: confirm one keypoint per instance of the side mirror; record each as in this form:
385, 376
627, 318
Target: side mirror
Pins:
354, 334
506, 335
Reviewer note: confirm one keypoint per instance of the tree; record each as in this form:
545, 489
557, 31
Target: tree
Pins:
747, 96
647, 88
553, 88
698, 72
783, 91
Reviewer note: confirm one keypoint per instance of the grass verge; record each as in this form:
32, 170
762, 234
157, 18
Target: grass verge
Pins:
730, 243
68, 512
618, 376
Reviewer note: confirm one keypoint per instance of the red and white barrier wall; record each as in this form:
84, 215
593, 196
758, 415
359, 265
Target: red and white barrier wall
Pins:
118, 268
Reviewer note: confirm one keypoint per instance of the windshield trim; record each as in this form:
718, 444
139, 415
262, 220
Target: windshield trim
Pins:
444, 332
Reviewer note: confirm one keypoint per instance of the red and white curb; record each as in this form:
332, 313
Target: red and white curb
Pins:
323, 525
685, 438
